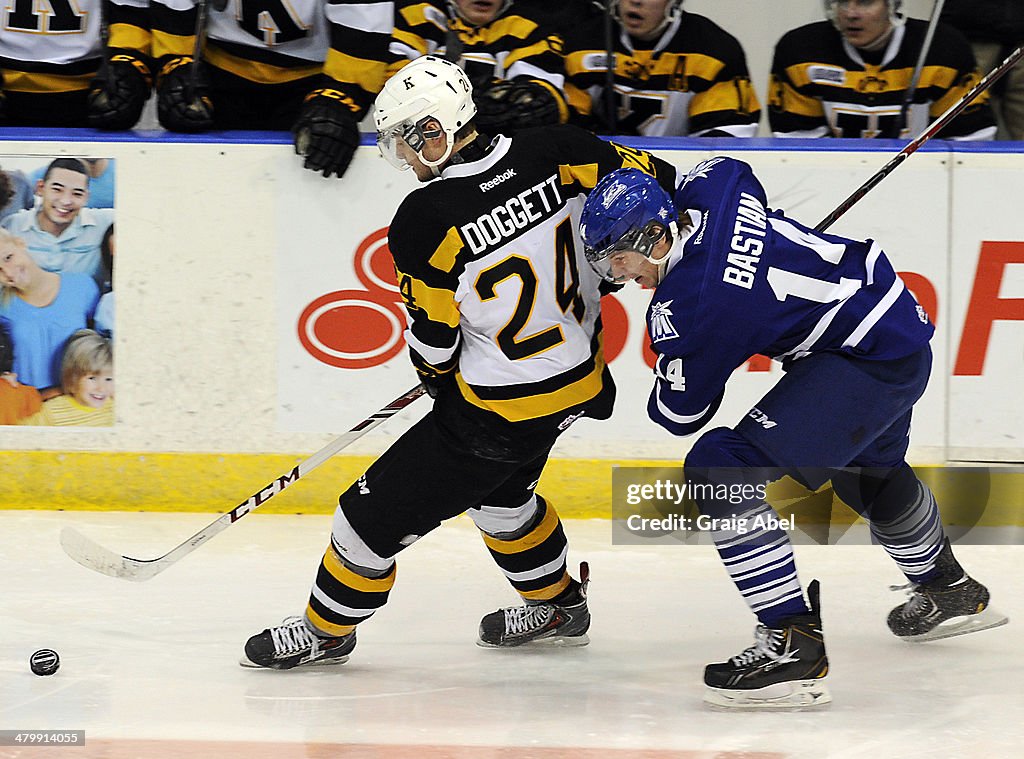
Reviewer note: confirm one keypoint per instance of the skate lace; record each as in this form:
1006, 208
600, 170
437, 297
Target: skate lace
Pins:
292, 636
521, 619
766, 641
919, 603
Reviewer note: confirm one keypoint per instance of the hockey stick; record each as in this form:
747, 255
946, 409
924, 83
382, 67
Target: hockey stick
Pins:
202, 19
197, 48
951, 113
609, 109
610, 101
908, 96
99, 559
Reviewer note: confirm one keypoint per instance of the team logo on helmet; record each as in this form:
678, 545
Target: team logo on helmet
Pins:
612, 193
661, 326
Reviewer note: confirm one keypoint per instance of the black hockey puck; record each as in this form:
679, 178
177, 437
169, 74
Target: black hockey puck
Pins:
44, 662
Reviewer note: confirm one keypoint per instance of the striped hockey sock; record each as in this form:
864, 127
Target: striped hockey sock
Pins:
341, 597
915, 538
760, 561
528, 544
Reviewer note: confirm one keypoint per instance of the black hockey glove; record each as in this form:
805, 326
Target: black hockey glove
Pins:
506, 107
118, 93
182, 99
326, 133
434, 384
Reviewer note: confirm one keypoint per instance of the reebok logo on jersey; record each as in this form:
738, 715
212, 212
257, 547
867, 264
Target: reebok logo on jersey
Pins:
364, 489
504, 176
661, 327
703, 226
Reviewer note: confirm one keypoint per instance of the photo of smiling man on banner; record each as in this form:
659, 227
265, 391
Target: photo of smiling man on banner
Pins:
56, 292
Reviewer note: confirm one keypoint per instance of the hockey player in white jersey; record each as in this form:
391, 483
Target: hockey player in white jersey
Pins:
505, 334
735, 279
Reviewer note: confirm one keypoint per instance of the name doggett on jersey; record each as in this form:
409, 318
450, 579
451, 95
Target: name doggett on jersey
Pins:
515, 214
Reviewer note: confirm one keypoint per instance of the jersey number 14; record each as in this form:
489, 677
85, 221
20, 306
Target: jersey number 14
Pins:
785, 283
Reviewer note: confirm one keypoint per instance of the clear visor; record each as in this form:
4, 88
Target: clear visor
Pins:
400, 142
641, 240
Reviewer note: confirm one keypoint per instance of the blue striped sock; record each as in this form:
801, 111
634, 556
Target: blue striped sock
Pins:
760, 561
914, 539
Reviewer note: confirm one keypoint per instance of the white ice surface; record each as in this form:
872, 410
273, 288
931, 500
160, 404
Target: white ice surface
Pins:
158, 660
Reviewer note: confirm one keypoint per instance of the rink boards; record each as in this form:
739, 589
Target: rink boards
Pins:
258, 317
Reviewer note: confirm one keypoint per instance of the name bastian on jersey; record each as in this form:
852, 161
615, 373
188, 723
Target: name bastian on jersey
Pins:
752, 281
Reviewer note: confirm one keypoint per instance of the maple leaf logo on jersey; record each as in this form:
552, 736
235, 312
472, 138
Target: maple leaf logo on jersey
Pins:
661, 327
700, 171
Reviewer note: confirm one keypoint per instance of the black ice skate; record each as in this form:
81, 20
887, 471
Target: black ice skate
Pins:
565, 623
952, 604
785, 668
292, 644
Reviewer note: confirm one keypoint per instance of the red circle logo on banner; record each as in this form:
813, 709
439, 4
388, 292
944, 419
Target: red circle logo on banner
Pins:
352, 329
374, 266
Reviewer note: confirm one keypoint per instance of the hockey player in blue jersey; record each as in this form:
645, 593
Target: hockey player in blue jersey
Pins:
734, 279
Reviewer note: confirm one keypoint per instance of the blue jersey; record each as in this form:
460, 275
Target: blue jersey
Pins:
752, 281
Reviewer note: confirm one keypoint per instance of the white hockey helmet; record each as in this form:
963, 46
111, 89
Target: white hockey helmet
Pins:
895, 17
673, 9
429, 92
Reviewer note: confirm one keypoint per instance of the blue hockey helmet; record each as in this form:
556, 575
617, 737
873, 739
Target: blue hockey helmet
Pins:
626, 210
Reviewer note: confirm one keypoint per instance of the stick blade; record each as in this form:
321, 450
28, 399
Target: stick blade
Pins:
92, 555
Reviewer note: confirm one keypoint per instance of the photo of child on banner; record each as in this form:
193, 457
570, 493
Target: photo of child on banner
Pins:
56, 269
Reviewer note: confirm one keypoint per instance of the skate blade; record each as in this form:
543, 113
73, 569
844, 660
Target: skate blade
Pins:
795, 696
984, 620
248, 664
556, 641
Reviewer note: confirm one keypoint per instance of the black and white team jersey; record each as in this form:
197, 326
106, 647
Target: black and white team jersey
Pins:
56, 47
277, 42
820, 85
748, 280
523, 42
492, 271
692, 80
